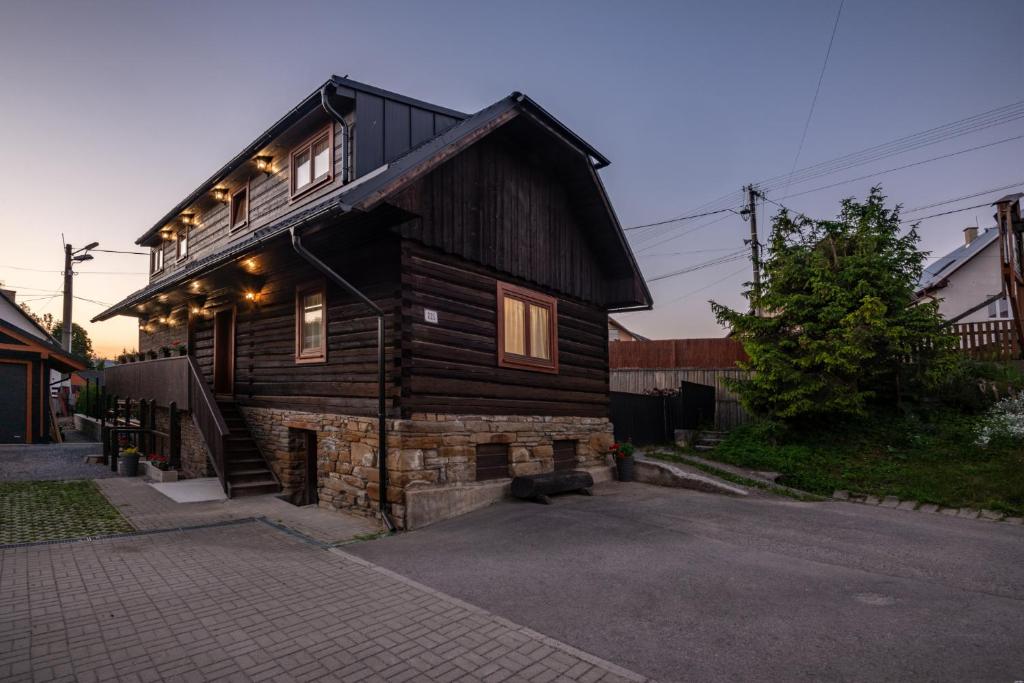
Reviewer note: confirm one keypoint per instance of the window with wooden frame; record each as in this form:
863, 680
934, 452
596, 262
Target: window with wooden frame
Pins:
311, 324
527, 329
312, 162
181, 244
156, 258
238, 208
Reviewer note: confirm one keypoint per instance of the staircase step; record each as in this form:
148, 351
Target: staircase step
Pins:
253, 475
252, 488
245, 463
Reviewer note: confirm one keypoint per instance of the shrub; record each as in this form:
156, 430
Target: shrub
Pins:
1004, 422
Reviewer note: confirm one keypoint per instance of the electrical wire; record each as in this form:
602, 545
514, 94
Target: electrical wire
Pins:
701, 289
674, 220
817, 90
966, 196
742, 253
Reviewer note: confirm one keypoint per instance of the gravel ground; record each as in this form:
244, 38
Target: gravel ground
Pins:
50, 462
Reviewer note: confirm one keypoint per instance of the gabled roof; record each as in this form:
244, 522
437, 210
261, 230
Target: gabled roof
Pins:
935, 274
615, 323
369, 190
14, 338
308, 104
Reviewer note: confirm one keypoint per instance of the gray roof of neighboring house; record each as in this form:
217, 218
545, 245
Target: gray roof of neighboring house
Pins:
947, 265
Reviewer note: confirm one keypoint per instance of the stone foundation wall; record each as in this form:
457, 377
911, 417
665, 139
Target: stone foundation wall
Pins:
195, 455
427, 450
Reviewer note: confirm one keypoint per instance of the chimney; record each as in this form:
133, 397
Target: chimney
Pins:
970, 234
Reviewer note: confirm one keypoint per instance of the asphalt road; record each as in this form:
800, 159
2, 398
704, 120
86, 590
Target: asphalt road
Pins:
680, 585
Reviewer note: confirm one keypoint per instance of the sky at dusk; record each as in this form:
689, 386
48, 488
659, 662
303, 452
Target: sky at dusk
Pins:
114, 111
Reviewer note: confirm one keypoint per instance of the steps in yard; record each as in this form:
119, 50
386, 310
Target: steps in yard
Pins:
708, 441
247, 472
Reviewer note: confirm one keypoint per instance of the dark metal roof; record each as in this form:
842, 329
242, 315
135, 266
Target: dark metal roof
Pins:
943, 267
310, 103
366, 192
61, 357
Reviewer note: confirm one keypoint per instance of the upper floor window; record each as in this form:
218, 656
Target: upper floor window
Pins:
181, 245
156, 258
238, 208
527, 329
310, 325
999, 309
311, 162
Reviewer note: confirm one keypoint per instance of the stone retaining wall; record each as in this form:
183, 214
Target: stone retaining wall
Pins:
427, 450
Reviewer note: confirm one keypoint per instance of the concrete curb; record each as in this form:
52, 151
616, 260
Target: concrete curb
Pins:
661, 473
895, 503
547, 640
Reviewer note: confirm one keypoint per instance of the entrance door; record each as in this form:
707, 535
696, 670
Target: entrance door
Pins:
312, 497
224, 352
14, 403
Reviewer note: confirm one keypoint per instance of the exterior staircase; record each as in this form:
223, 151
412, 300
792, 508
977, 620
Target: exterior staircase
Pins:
707, 441
247, 472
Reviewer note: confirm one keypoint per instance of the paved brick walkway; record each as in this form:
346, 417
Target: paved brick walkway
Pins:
147, 508
50, 462
248, 602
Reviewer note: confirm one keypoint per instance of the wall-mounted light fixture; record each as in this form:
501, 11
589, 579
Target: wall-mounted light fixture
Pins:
221, 194
188, 219
252, 296
265, 164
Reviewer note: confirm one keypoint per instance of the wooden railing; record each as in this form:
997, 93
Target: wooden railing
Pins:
208, 418
994, 340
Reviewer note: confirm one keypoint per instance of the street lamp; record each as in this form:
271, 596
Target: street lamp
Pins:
71, 256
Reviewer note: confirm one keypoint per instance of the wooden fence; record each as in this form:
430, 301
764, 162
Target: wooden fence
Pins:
729, 412
676, 353
994, 340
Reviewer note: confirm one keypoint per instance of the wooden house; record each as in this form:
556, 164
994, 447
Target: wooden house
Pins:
377, 273
28, 354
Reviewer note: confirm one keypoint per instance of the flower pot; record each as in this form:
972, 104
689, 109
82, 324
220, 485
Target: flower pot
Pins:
625, 468
128, 465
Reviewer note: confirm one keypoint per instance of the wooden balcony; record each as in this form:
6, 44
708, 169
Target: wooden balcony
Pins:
163, 381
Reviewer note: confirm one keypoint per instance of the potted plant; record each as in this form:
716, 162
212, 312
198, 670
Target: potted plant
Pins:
152, 354
623, 454
128, 462
165, 351
182, 350
122, 357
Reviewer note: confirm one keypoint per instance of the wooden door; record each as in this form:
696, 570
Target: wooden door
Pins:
14, 403
312, 495
224, 351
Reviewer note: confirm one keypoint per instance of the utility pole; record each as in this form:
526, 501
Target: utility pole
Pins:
755, 250
66, 339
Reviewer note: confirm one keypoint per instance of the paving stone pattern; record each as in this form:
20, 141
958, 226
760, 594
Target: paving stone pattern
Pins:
52, 510
247, 602
51, 462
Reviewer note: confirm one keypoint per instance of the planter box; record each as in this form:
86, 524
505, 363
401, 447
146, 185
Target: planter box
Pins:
156, 474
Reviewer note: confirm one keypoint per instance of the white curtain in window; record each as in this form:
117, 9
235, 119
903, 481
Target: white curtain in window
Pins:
540, 332
312, 321
321, 159
302, 169
515, 326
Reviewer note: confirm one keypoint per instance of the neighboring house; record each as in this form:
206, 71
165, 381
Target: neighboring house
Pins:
489, 255
618, 332
967, 281
28, 354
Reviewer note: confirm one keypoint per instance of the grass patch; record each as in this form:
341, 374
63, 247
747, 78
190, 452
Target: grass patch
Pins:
930, 458
56, 510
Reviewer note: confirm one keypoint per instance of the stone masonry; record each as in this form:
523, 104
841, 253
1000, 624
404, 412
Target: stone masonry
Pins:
426, 450
195, 455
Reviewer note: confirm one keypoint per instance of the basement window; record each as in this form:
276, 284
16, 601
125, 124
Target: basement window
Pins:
238, 208
527, 329
491, 461
310, 325
311, 162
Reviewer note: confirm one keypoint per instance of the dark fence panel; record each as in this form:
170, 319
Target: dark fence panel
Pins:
647, 419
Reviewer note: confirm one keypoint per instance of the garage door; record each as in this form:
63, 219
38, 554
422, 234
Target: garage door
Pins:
13, 388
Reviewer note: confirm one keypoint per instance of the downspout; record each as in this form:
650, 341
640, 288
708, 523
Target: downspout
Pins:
382, 431
337, 116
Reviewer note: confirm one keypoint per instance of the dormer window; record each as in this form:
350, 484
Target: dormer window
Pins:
156, 258
311, 162
238, 208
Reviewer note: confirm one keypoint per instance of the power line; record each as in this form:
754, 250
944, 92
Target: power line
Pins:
675, 220
735, 256
701, 289
674, 237
967, 196
905, 166
817, 90
116, 251
83, 272
944, 213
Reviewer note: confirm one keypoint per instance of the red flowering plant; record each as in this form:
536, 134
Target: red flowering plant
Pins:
161, 462
622, 450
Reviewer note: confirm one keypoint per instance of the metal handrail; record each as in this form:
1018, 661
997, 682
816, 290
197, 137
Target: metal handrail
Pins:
208, 418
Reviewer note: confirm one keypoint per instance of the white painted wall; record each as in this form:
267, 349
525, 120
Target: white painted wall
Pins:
972, 283
10, 313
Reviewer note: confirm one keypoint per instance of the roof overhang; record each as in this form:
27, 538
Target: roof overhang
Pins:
58, 358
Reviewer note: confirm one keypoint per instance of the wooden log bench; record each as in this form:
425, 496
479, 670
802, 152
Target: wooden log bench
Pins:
539, 486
